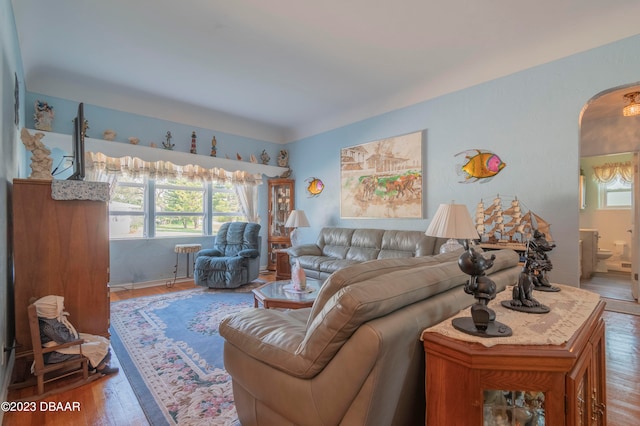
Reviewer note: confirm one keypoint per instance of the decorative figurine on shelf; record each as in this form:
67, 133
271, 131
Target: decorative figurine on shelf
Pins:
41, 161
109, 135
213, 147
264, 157
43, 116
134, 141
167, 143
283, 158
522, 295
482, 322
193, 143
540, 263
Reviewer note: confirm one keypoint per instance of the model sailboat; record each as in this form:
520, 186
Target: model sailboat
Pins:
508, 226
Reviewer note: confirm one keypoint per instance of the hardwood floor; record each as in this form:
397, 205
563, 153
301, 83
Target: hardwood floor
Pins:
614, 285
110, 401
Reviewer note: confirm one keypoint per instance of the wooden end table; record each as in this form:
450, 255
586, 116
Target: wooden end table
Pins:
274, 295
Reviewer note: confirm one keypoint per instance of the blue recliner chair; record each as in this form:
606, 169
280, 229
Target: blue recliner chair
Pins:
234, 259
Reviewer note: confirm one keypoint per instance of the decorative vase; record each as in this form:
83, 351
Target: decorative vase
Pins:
298, 278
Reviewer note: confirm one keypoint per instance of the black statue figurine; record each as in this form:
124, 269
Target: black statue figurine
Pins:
540, 264
533, 276
482, 321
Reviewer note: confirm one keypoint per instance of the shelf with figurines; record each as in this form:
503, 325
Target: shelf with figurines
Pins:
114, 149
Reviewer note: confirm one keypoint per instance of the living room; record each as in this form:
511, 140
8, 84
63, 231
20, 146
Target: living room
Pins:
529, 115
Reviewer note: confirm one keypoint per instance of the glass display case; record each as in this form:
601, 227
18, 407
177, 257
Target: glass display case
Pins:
281, 203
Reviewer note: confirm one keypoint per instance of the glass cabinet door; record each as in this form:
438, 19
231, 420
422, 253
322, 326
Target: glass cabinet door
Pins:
511, 407
281, 203
280, 209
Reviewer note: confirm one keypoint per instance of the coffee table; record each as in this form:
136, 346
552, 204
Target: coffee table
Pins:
275, 295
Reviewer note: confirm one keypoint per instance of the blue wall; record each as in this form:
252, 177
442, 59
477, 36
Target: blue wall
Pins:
530, 119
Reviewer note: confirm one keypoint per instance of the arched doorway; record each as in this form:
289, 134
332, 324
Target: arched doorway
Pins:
608, 137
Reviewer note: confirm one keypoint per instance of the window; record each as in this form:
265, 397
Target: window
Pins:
147, 208
615, 194
179, 207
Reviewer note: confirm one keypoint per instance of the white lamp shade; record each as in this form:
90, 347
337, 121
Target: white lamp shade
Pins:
297, 219
452, 221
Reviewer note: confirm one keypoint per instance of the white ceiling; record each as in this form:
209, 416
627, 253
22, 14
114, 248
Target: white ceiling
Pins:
295, 67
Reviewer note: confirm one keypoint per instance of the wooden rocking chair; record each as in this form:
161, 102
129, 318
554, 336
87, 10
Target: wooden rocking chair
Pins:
46, 373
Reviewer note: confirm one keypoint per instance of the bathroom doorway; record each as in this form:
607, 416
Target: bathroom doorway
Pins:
608, 141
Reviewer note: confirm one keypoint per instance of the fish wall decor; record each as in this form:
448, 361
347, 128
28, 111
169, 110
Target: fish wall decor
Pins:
315, 186
480, 165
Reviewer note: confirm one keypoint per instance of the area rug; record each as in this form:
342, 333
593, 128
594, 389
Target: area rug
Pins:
171, 352
622, 306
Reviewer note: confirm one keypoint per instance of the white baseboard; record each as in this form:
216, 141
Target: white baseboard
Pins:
145, 284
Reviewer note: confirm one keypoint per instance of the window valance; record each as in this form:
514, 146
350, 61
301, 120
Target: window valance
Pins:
611, 171
98, 163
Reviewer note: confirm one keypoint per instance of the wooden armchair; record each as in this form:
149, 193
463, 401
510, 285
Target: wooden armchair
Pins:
46, 373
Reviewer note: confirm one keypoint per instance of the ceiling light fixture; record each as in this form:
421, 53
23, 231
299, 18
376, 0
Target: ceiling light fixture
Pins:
634, 107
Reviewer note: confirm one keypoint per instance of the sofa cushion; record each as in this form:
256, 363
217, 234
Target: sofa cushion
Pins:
365, 244
405, 244
361, 271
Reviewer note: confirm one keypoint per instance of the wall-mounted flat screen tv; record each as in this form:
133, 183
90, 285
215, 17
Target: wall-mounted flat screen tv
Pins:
78, 145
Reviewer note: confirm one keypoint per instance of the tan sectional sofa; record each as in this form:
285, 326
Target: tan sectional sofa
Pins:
337, 248
354, 357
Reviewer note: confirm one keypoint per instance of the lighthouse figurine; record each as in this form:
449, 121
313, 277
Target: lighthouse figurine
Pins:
193, 142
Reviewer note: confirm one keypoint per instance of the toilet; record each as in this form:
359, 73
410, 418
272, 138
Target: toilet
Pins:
603, 255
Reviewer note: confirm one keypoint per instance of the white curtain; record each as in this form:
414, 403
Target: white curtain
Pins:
611, 171
248, 197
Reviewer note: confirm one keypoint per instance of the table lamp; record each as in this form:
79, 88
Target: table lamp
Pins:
297, 219
452, 221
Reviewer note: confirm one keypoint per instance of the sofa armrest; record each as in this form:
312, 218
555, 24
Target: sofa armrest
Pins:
210, 252
271, 336
250, 253
305, 250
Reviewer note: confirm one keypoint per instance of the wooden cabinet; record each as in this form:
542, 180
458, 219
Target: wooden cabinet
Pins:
281, 202
283, 265
468, 383
60, 248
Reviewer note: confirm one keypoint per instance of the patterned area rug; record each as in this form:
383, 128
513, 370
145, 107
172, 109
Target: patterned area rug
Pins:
171, 352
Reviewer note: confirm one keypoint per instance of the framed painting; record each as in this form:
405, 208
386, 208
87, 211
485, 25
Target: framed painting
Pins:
382, 179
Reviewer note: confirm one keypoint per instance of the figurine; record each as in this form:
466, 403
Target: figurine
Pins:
522, 293
253, 159
213, 147
134, 141
167, 143
109, 135
43, 116
540, 261
482, 322
193, 143
264, 157
41, 161
283, 158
